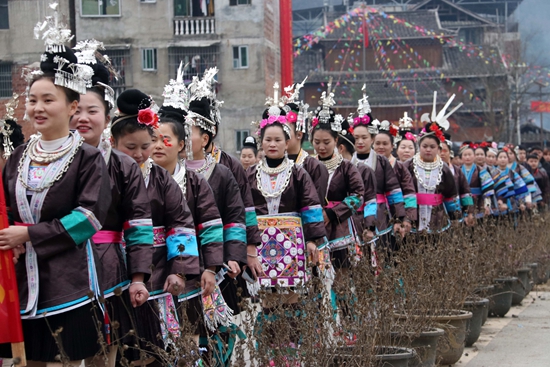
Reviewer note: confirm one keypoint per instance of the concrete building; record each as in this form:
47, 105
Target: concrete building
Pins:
147, 39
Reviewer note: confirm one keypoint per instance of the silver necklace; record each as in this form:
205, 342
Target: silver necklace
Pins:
39, 155
263, 170
73, 148
208, 161
181, 177
427, 166
334, 162
146, 168
301, 157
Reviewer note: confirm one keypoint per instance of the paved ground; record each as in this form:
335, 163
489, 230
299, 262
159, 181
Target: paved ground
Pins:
519, 339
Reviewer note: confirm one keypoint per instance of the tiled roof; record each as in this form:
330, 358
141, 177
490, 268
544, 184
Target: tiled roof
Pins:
463, 63
381, 25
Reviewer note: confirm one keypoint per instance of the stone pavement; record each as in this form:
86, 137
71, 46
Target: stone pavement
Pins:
519, 339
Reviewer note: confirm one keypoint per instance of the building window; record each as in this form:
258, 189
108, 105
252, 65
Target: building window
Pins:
195, 59
239, 2
193, 8
121, 62
149, 59
100, 8
4, 16
240, 57
6, 89
240, 136
148, 1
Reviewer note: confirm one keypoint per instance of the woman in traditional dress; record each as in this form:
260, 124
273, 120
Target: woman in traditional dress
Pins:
125, 243
57, 194
249, 152
343, 199
510, 188
174, 133
433, 180
535, 194
365, 219
383, 146
290, 218
389, 197
203, 118
405, 141
491, 154
479, 179
175, 256
464, 198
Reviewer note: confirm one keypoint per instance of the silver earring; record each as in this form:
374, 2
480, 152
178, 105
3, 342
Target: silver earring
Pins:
204, 152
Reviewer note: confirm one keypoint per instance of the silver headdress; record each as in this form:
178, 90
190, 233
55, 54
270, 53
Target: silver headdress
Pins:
204, 88
275, 107
178, 96
363, 117
88, 54
55, 34
324, 113
405, 129
293, 96
5, 128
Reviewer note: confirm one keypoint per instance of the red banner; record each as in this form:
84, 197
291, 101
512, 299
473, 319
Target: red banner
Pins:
10, 318
539, 106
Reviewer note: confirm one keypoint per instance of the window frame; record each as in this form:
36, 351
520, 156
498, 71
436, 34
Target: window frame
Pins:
9, 79
154, 59
82, 15
236, 2
239, 143
239, 59
121, 60
5, 4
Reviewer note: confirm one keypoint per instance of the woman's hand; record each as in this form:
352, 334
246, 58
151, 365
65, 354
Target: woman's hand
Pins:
487, 210
368, 235
407, 226
174, 285
253, 262
522, 207
138, 294
470, 220
235, 269
13, 236
313, 252
208, 282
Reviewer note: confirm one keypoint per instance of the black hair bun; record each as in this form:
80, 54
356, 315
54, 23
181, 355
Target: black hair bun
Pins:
132, 100
293, 107
201, 107
101, 73
48, 66
447, 136
249, 141
172, 112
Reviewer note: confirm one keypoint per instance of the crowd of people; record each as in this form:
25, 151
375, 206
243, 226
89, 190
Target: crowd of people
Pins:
124, 227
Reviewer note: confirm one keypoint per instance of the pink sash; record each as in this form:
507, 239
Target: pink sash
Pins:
381, 199
107, 237
429, 199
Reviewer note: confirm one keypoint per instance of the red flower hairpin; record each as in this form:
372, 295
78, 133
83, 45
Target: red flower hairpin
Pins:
148, 117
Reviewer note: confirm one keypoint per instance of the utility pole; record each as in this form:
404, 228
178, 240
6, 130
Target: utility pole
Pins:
541, 85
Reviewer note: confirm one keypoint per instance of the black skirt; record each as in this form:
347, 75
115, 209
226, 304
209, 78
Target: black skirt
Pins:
76, 335
149, 329
231, 291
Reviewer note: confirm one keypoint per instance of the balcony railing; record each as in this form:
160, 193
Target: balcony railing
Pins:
188, 26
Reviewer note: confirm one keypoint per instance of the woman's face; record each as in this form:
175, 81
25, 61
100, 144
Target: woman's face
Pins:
363, 139
546, 156
248, 158
511, 156
274, 142
503, 159
445, 153
48, 109
90, 119
468, 157
167, 147
429, 149
383, 145
491, 159
137, 145
405, 150
479, 157
324, 143
199, 141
